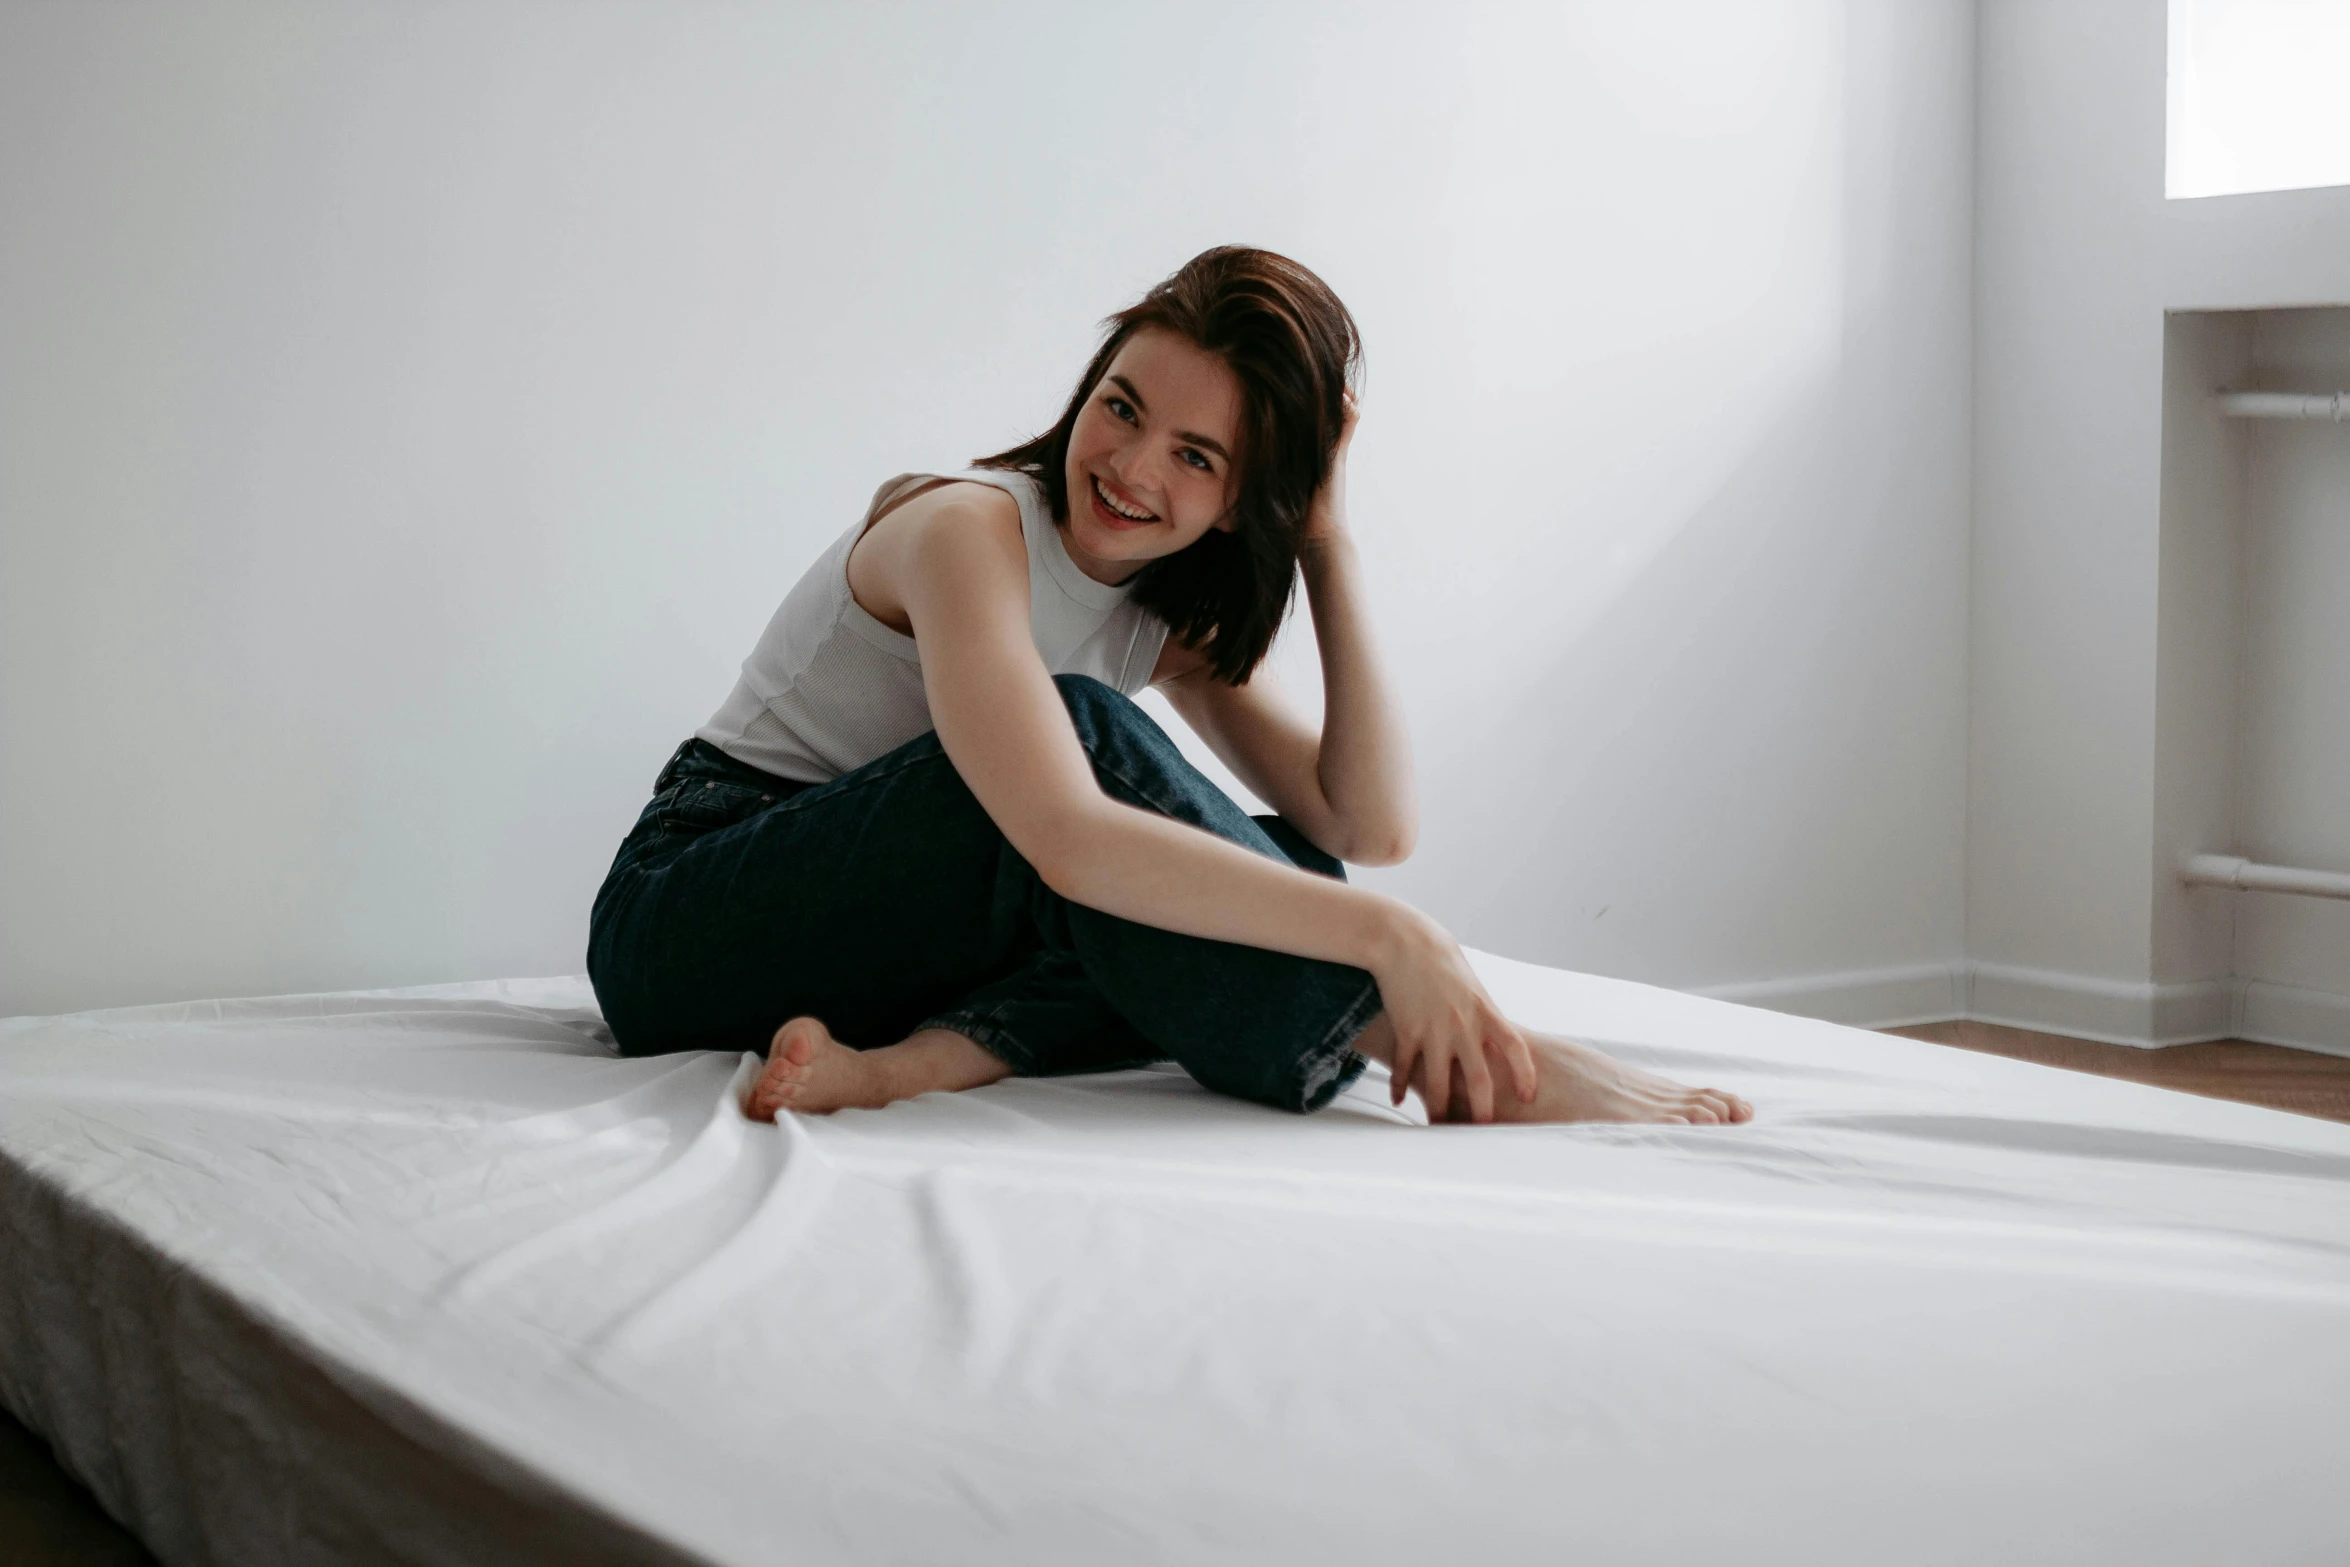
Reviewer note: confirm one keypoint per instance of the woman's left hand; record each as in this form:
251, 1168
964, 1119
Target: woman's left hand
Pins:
1327, 518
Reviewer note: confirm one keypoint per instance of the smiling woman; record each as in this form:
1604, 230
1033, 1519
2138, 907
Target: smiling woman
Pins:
1246, 351
929, 841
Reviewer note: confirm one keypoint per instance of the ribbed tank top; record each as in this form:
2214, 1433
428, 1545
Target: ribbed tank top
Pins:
829, 688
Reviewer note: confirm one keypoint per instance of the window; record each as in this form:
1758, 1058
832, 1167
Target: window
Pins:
2259, 96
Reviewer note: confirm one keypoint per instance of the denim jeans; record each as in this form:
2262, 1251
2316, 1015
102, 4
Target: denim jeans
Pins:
887, 900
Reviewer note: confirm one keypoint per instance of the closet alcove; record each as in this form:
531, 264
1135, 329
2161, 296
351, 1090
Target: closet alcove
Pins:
2252, 765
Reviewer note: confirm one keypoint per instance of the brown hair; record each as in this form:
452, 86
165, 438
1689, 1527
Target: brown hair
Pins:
1292, 346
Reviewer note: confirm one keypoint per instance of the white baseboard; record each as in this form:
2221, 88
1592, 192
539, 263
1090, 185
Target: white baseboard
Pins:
2116, 1012
2287, 1015
1869, 998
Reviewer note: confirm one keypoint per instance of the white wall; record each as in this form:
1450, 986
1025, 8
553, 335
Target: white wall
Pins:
2078, 256
409, 415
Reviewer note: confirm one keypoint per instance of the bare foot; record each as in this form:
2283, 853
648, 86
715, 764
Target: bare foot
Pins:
813, 1073
1578, 1083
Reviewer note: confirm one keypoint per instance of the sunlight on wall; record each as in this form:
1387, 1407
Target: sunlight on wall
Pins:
2259, 96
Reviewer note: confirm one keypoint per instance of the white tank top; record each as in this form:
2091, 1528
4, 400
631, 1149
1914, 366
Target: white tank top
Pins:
829, 688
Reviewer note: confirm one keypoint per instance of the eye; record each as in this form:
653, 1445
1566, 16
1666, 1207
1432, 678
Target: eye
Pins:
1120, 408
1197, 458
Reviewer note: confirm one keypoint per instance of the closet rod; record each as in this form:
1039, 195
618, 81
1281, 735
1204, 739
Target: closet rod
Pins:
2229, 870
2286, 405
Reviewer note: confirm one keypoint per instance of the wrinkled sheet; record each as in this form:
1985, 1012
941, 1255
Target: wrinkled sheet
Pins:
1929, 1307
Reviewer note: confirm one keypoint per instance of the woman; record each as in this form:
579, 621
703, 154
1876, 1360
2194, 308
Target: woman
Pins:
928, 842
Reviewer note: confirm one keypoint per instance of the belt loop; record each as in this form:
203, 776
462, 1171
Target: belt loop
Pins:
669, 768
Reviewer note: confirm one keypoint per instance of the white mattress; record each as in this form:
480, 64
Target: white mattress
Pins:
432, 1275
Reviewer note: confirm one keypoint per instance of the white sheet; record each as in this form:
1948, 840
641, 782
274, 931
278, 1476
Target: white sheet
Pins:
1928, 1307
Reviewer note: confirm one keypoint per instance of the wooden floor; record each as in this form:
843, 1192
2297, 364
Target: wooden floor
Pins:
46, 1520
2298, 1080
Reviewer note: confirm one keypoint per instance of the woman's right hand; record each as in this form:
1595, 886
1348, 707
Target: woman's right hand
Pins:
1442, 1017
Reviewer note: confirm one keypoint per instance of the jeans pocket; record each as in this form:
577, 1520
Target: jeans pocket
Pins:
700, 805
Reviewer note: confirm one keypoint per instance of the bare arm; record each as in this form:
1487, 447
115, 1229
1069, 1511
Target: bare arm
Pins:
959, 571
1003, 724
1348, 788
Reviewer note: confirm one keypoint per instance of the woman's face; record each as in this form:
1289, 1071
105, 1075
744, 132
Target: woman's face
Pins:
1150, 459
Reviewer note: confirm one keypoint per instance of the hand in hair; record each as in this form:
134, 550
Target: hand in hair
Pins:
1327, 519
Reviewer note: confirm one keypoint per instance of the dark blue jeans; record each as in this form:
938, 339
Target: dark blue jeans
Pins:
887, 900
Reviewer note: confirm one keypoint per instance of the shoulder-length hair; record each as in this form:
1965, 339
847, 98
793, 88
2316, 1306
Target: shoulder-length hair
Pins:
1292, 346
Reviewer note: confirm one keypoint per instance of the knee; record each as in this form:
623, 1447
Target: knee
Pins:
1136, 761
1097, 708
1125, 745
1109, 723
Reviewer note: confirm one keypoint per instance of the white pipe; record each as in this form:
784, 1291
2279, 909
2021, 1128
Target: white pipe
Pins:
2229, 870
2286, 405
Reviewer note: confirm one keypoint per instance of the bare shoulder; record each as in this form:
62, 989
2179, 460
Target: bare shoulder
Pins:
956, 530
960, 521
959, 499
